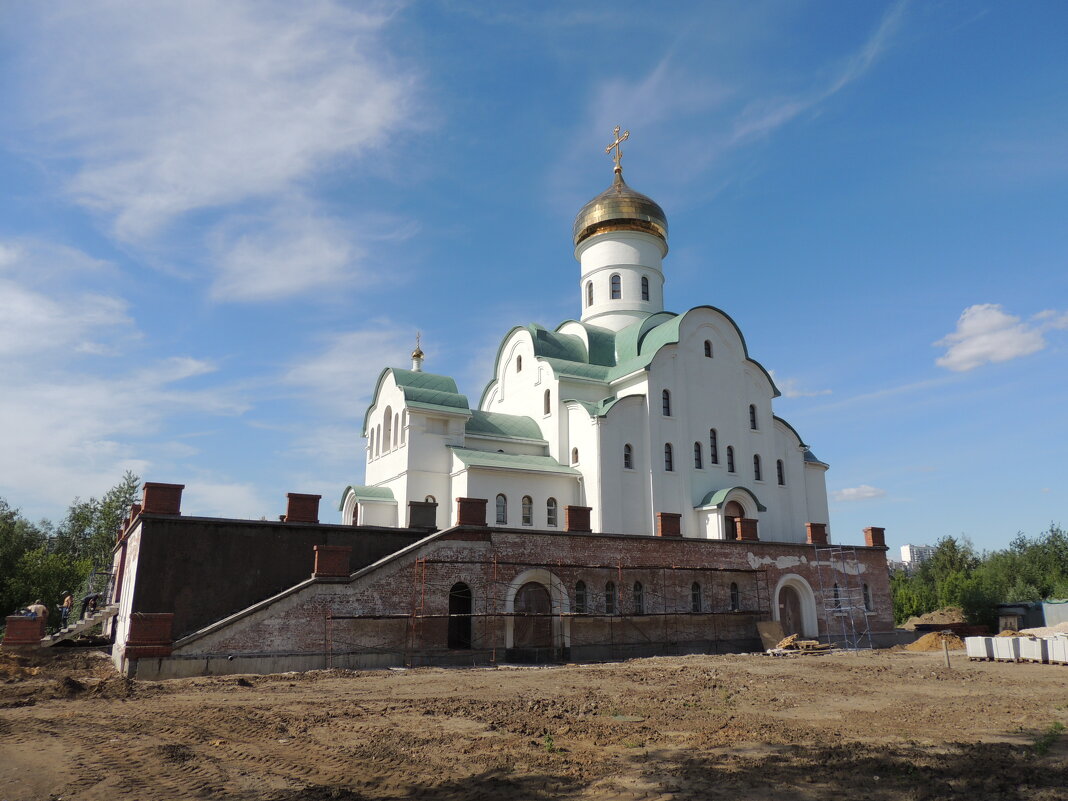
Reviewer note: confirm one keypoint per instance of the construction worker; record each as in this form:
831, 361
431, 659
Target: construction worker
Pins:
39, 610
65, 608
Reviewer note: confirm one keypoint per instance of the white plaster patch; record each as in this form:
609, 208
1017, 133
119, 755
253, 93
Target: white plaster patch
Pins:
849, 568
781, 562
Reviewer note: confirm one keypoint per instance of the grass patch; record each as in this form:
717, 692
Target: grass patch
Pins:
1046, 740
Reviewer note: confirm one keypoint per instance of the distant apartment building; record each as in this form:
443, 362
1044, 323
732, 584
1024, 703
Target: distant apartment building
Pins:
916, 555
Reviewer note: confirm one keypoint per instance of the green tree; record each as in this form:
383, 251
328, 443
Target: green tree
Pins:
46, 575
17, 536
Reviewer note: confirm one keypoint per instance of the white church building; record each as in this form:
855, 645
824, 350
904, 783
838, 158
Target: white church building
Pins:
632, 411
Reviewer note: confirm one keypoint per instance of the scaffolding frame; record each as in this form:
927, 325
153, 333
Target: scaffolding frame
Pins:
666, 624
845, 607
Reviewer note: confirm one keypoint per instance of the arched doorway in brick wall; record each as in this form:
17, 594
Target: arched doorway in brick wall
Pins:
731, 512
537, 627
794, 606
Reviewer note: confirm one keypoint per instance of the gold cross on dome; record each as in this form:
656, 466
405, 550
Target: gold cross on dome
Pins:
617, 145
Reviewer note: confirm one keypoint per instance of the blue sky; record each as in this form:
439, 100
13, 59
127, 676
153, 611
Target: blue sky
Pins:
220, 221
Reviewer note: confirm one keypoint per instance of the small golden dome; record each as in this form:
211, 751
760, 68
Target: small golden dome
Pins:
620, 208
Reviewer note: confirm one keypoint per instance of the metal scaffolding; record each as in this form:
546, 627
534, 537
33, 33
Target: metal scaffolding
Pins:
678, 609
845, 600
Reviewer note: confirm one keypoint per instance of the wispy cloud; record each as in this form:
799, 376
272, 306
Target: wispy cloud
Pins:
791, 387
161, 111
986, 334
341, 375
865, 492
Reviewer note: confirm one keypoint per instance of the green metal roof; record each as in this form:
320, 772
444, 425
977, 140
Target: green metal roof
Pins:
365, 493
716, 498
426, 391
512, 461
614, 355
495, 424
602, 407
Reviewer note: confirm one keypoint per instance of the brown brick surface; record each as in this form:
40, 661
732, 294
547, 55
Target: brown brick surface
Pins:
162, 499
471, 511
332, 560
577, 518
302, 508
817, 533
668, 524
875, 537
24, 630
747, 529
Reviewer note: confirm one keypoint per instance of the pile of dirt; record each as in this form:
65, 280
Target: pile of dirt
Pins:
1009, 633
947, 614
15, 667
1047, 631
934, 642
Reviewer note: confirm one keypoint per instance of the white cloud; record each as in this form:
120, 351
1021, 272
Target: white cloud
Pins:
864, 492
791, 387
272, 257
987, 334
236, 500
342, 375
171, 107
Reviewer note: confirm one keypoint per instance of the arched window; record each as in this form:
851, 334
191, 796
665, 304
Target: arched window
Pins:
698, 462
589, 293
580, 598
550, 512
528, 510
756, 467
610, 598
628, 457
502, 510
730, 459
867, 599
639, 598
713, 446
371, 445
519, 364
547, 405
837, 597
696, 601
665, 403
387, 434
459, 632
780, 472
403, 425
378, 439
430, 499
752, 417
736, 597
574, 456
616, 284
645, 288
669, 457
396, 430
708, 349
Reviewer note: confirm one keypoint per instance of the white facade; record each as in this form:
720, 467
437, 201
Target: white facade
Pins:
632, 411
916, 555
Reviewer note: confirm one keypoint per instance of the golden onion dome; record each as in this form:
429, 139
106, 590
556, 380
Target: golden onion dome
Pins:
620, 208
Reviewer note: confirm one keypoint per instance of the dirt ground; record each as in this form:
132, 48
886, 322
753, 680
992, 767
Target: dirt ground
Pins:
870, 725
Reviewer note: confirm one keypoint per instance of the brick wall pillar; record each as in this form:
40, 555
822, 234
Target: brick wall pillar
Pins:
422, 514
668, 524
162, 499
746, 528
577, 518
875, 537
817, 533
150, 635
471, 511
24, 631
301, 508
332, 560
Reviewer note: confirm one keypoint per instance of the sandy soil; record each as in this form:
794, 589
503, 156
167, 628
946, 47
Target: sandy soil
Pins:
882, 725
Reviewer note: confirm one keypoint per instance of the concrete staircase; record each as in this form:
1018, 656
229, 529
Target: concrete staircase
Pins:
81, 626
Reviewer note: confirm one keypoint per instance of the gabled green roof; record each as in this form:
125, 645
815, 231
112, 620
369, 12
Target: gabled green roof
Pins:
615, 355
495, 424
512, 461
716, 498
602, 407
365, 493
421, 390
